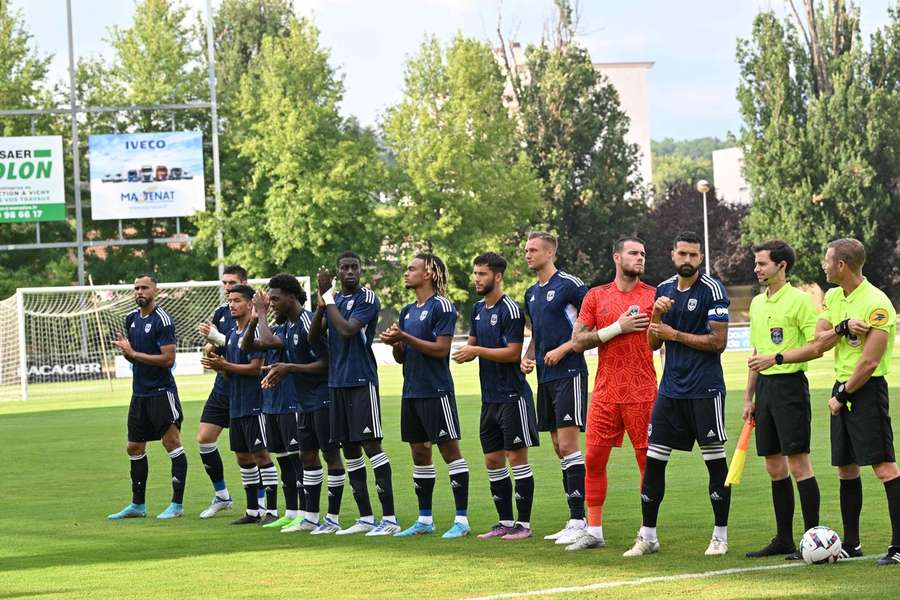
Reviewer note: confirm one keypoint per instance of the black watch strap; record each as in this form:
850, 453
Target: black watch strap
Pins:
779, 359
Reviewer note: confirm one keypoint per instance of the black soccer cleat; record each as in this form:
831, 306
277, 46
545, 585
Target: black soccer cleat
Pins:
891, 558
267, 518
795, 555
848, 552
775, 547
246, 520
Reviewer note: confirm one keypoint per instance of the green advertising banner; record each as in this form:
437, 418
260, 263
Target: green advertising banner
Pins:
32, 184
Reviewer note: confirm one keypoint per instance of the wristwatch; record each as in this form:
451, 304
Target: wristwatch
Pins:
841, 394
779, 358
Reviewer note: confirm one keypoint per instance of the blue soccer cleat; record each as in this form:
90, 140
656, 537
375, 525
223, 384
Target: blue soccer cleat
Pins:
132, 511
173, 511
417, 528
457, 531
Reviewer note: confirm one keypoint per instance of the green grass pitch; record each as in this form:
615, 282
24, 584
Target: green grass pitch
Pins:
64, 469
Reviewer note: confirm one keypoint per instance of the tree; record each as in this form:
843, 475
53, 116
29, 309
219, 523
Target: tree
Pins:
312, 189
573, 130
463, 185
23, 74
679, 209
673, 169
820, 135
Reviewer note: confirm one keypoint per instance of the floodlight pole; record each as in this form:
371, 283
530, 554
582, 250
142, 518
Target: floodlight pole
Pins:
703, 188
76, 157
217, 182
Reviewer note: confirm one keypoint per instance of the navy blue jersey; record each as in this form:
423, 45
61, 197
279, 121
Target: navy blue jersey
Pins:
244, 392
224, 322
553, 309
312, 390
283, 397
690, 373
498, 326
147, 335
424, 376
351, 360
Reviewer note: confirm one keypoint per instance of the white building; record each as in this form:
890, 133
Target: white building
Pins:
728, 176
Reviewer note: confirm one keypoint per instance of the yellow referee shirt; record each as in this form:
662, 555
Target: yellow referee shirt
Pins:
784, 321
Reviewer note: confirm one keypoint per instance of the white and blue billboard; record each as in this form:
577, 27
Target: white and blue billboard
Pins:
141, 175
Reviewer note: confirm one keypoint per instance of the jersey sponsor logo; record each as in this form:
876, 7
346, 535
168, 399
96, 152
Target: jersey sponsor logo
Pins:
777, 335
493, 320
877, 317
692, 304
350, 305
422, 315
550, 295
147, 327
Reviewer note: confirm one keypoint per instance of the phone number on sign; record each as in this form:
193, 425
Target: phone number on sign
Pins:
21, 214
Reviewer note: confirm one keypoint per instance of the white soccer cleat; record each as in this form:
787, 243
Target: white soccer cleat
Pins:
215, 507
570, 534
386, 527
557, 535
716, 548
359, 527
642, 547
584, 541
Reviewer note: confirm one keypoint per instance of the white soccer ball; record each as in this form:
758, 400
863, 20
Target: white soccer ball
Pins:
820, 545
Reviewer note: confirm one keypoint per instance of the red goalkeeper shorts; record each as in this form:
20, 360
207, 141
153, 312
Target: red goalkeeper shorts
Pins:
608, 422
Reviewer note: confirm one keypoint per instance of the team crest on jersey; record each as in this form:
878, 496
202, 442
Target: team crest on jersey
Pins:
493, 320
777, 334
550, 295
422, 315
147, 328
296, 339
877, 317
692, 304
350, 305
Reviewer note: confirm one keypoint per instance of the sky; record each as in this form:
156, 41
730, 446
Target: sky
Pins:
691, 43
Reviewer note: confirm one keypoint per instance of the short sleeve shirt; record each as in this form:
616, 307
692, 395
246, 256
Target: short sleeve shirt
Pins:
147, 335
498, 326
312, 390
224, 322
351, 360
282, 398
691, 373
423, 375
244, 392
625, 371
866, 303
781, 322
553, 308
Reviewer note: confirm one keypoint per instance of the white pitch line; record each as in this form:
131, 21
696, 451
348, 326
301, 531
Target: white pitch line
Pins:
604, 585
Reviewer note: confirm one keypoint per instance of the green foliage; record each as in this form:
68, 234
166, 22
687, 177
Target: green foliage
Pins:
463, 186
694, 148
821, 144
670, 170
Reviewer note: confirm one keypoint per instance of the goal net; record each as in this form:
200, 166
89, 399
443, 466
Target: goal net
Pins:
60, 335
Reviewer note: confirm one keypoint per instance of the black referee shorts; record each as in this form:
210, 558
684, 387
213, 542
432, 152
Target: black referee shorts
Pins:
862, 434
782, 414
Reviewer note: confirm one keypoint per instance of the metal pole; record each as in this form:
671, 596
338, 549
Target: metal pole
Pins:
706, 235
23, 348
217, 182
76, 167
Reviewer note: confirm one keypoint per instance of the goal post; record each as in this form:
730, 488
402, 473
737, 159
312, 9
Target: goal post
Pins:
64, 334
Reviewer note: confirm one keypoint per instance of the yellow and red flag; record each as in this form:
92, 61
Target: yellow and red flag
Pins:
736, 470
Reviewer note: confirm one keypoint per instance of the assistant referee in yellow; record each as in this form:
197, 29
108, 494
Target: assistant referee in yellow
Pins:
782, 325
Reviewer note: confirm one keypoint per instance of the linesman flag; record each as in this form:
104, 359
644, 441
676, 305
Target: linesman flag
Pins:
736, 470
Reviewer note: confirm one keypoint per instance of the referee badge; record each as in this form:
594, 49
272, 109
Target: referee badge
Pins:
777, 334
550, 295
493, 320
877, 317
692, 304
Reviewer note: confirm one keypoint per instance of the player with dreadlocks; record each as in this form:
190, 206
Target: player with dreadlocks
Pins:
421, 342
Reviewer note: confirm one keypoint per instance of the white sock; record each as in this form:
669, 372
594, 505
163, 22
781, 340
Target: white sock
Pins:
507, 523
426, 519
312, 516
292, 514
253, 513
721, 533
575, 523
597, 531
332, 517
462, 519
648, 533
390, 518
525, 524
223, 494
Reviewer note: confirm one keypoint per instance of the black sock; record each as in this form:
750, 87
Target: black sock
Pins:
381, 469
139, 471
808, 490
250, 479
653, 490
524, 478
501, 492
288, 481
312, 489
212, 463
719, 495
459, 483
356, 472
269, 477
336, 479
563, 464
575, 485
423, 481
179, 474
783, 501
851, 506
892, 489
